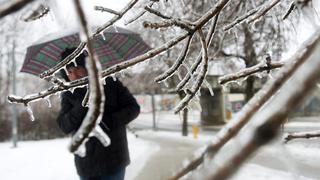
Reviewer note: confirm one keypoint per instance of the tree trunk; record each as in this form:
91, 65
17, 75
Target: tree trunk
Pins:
250, 60
184, 116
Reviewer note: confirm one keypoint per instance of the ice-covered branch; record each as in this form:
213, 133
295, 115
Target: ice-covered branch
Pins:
96, 89
263, 10
263, 66
209, 38
41, 11
104, 9
169, 23
177, 63
82, 45
12, 6
239, 19
201, 76
255, 103
302, 135
157, 13
267, 121
289, 10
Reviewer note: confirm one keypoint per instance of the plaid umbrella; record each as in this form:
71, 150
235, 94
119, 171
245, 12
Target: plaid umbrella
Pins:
113, 46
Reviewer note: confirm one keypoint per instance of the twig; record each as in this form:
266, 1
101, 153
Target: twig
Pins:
198, 60
37, 14
12, 6
177, 63
302, 135
168, 23
263, 66
155, 12
262, 11
96, 89
104, 9
239, 19
290, 9
202, 74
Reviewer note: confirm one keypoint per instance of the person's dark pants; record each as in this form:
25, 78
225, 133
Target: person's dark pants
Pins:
119, 175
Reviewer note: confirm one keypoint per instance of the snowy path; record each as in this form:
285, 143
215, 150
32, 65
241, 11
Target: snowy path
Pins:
168, 158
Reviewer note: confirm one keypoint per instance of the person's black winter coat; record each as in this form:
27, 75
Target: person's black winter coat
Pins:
120, 108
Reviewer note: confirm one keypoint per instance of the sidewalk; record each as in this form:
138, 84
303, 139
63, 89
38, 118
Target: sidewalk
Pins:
170, 157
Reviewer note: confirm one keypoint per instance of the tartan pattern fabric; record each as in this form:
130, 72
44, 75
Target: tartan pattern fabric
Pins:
111, 48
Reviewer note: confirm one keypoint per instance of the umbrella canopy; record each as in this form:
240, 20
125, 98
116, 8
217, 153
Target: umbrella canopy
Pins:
112, 47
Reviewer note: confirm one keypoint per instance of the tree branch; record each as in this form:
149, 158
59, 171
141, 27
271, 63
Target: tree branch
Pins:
304, 135
262, 11
96, 89
12, 6
263, 66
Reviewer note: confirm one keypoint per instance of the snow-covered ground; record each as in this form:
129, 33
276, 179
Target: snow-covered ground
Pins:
50, 160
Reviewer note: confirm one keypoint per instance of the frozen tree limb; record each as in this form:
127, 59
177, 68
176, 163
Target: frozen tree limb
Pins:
198, 60
290, 9
202, 74
239, 19
262, 66
169, 23
104, 9
268, 120
177, 63
12, 6
302, 135
37, 14
255, 103
262, 11
96, 89
157, 13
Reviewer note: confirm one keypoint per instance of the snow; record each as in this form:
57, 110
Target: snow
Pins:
50, 160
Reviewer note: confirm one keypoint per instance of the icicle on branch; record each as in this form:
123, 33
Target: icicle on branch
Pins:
262, 66
40, 12
104, 9
202, 74
268, 120
12, 6
209, 38
82, 45
255, 103
96, 89
302, 135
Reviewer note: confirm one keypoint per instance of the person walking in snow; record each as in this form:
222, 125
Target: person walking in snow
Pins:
100, 162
